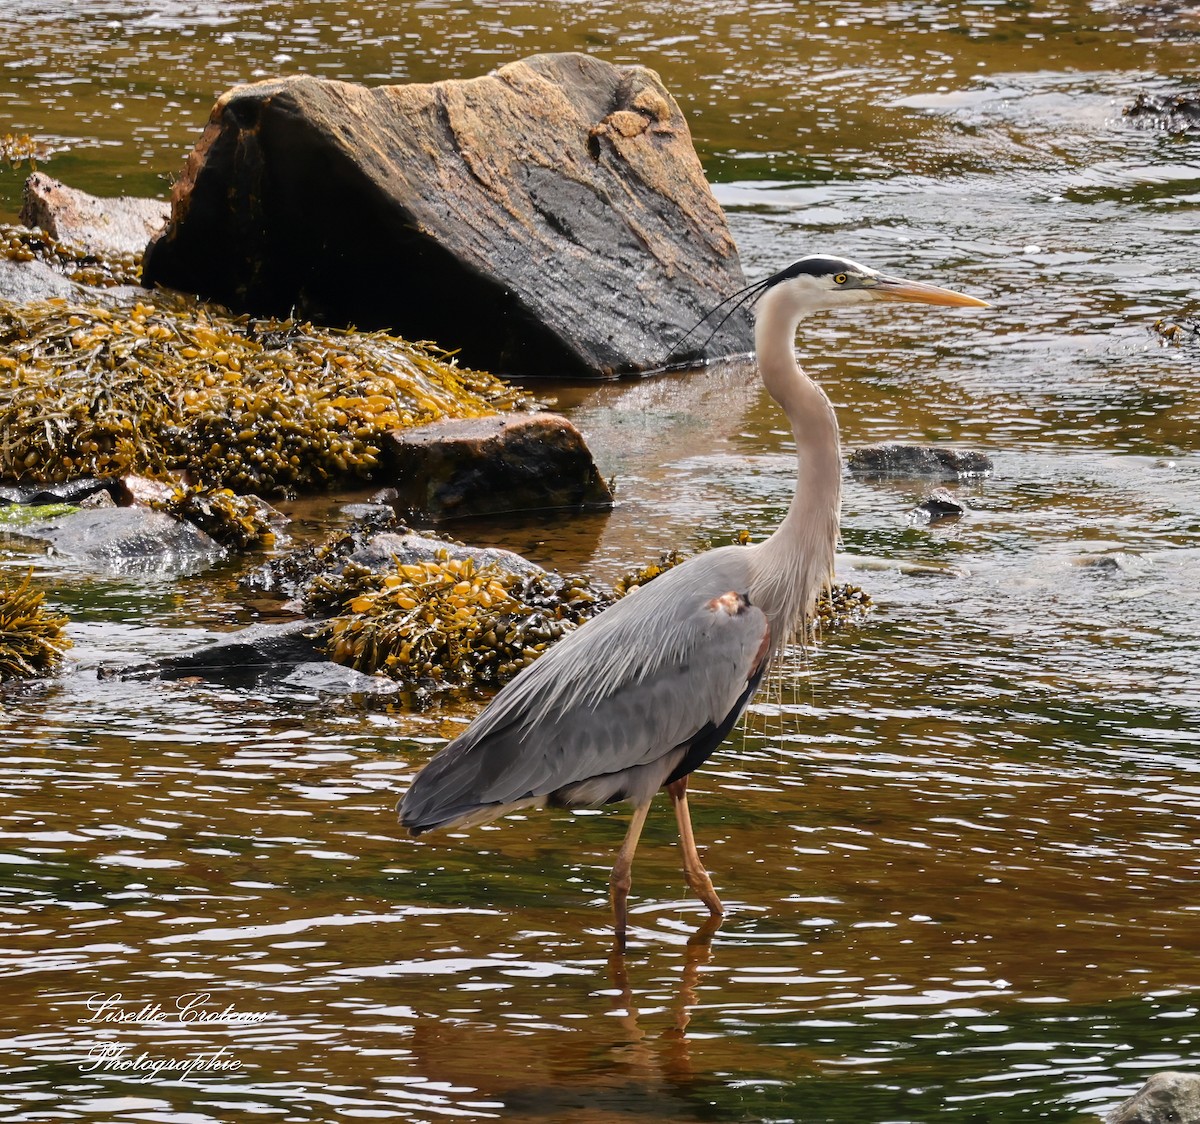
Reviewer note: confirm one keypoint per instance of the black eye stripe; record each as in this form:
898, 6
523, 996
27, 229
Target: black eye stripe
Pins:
815, 266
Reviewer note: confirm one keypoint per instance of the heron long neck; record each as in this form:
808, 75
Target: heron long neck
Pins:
792, 567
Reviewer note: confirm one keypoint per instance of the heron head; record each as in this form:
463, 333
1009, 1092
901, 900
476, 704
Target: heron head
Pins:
819, 282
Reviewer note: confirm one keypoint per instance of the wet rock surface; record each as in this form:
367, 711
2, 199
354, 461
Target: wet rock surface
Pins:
936, 506
386, 549
490, 466
1171, 1097
900, 460
133, 538
1176, 113
260, 654
550, 218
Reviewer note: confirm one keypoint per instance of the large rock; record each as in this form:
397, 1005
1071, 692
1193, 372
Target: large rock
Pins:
550, 218
120, 225
1170, 1097
493, 466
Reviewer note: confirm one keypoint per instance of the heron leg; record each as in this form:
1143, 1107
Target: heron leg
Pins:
693, 869
622, 873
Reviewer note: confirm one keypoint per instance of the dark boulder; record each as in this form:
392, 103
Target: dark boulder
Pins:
120, 225
258, 655
1170, 1097
550, 218
918, 461
494, 465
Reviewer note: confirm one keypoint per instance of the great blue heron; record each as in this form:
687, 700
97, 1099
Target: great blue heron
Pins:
639, 697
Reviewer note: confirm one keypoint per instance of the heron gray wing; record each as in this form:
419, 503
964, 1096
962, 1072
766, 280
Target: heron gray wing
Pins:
610, 711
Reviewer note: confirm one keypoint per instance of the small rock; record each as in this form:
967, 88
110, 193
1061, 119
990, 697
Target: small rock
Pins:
326, 678
123, 538
1114, 562
1176, 113
385, 550
22, 282
936, 506
375, 508
102, 498
918, 460
492, 466
121, 225
133, 489
1170, 1097
71, 491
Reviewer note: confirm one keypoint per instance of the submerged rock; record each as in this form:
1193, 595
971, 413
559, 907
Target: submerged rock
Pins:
1170, 1097
918, 460
121, 225
550, 218
69, 491
325, 678
491, 466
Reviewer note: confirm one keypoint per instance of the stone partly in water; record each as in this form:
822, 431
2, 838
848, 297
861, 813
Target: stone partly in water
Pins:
550, 218
1170, 1097
259, 655
493, 466
937, 506
1176, 113
898, 460
1184, 332
120, 539
117, 226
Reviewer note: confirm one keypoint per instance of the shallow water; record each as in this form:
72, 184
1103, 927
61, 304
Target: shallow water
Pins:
960, 845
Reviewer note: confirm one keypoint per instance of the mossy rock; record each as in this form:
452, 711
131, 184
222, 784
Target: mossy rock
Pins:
168, 388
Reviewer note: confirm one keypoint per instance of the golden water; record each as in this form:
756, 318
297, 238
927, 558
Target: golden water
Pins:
960, 846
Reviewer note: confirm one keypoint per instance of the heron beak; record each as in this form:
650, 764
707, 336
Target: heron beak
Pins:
893, 289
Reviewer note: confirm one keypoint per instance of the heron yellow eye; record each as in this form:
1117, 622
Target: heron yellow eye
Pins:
840, 279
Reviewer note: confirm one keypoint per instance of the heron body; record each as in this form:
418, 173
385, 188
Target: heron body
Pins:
640, 696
